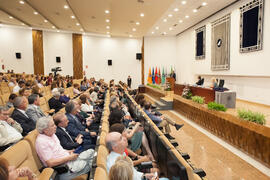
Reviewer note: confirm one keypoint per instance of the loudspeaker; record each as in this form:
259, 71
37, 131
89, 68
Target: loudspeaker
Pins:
139, 56
18, 55
58, 59
109, 62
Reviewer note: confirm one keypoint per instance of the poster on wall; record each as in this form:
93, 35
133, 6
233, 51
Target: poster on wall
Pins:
200, 43
251, 26
220, 44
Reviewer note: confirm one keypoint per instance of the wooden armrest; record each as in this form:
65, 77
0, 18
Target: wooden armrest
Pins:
47, 173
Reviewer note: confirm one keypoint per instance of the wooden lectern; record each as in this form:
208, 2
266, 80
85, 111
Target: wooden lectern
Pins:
171, 81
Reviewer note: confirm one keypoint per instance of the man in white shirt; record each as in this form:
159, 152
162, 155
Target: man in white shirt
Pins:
116, 145
10, 130
18, 86
12, 82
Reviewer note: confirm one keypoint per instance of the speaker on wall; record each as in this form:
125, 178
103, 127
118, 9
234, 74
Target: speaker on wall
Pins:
58, 59
18, 55
139, 56
109, 62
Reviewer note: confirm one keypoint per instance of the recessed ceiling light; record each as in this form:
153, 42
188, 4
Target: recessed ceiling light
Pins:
142, 15
108, 32
130, 35
204, 3
77, 24
195, 10
108, 36
58, 31
164, 33
1, 25
45, 20
157, 28
107, 11
107, 27
176, 9
137, 23
23, 24
36, 13
133, 29
107, 20
164, 20
153, 32
21, 2
81, 29
187, 16
170, 15
66, 6
72, 17
184, 2
10, 17
53, 27
180, 21
170, 28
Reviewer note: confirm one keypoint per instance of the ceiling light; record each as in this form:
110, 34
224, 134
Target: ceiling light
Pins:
108, 32
176, 9
107, 27
36, 13
153, 32
72, 17
184, 2
170, 15
1, 25
164, 33
133, 29
187, 16
66, 6
23, 24
83, 33
137, 23
21, 2
53, 27
58, 31
45, 20
107, 20
10, 17
108, 36
157, 28
204, 3
170, 28
81, 29
195, 10
142, 15
180, 21
164, 20
77, 24
130, 35
107, 11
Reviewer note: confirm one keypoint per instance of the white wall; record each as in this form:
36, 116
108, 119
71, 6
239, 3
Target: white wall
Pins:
159, 52
122, 52
58, 44
14, 40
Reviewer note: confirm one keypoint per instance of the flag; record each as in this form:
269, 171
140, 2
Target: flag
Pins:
171, 72
159, 76
163, 76
153, 75
156, 76
149, 80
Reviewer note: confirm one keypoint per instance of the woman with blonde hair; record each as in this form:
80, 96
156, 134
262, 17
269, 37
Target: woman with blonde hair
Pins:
122, 169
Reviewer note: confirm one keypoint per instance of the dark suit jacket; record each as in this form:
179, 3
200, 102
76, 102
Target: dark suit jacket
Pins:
75, 127
55, 104
65, 140
26, 123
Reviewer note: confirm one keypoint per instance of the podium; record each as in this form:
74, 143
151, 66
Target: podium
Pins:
171, 81
227, 98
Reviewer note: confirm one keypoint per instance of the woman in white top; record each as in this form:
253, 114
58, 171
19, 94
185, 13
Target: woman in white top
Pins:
85, 105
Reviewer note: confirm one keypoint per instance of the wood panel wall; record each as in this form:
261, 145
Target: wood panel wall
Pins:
155, 93
38, 58
77, 56
142, 63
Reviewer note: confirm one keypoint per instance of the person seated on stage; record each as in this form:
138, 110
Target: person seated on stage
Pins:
200, 81
33, 110
161, 121
19, 115
52, 154
213, 82
66, 141
10, 130
8, 172
54, 102
116, 144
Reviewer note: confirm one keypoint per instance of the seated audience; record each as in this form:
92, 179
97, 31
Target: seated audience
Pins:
161, 120
54, 87
83, 86
37, 90
19, 115
66, 141
25, 92
11, 173
12, 82
10, 130
85, 104
76, 88
33, 110
122, 169
116, 145
94, 94
18, 86
63, 98
11, 98
51, 153
54, 102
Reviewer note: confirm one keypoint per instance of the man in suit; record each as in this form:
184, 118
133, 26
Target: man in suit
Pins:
66, 141
129, 81
33, 110
19, 115
75, 127
54, 102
